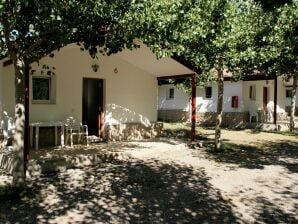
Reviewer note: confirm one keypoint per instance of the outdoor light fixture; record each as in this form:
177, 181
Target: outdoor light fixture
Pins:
95, 67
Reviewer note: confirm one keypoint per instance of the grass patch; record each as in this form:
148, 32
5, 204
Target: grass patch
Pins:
285, 133
225, 148
180, 131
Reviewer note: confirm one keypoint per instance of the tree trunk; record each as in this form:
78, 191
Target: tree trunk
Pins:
18, 143
220, 84
293, 103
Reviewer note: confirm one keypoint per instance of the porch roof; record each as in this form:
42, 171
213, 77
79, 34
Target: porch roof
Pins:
146, 60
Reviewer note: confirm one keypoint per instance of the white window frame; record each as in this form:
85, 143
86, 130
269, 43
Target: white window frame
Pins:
52, 89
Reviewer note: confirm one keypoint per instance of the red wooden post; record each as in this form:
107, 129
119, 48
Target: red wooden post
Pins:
101, 124
193, 107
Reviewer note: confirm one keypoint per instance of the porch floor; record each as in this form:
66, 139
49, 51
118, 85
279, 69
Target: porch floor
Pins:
269, 126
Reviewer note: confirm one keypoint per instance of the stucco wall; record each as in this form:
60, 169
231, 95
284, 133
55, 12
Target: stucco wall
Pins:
129, 95
7, 93
210, 104
180, 101
288, 100
257, 104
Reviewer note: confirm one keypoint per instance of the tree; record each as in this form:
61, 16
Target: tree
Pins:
218, 50
31, 29
205, 33
273, 48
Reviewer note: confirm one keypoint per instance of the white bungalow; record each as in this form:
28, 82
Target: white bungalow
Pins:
246, 101
116, 96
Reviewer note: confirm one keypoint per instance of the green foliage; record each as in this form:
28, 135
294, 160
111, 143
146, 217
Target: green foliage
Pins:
36, 28
272, 40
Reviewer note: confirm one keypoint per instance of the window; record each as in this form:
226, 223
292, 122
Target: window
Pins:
43, 89
170, 94
288, 93
208, 92
252, 92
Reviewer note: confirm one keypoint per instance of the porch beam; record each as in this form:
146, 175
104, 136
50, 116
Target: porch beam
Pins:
275, 102
187, 64
252, 78
181, 76
7, 63
193, 107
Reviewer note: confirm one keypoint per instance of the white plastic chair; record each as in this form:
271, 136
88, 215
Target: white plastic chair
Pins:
269, 114
252, 114
72, 127
7, 127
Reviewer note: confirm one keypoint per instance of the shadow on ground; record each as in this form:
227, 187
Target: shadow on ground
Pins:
121, 192
283, 153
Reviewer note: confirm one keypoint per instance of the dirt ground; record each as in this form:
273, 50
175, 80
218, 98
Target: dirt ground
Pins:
165, 181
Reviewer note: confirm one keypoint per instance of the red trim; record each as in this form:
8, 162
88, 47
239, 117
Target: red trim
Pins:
7, 63
187, 64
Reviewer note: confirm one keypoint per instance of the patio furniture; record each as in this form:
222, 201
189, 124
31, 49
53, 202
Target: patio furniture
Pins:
269, 113
54, 124
74, 128
7, 130
253, 116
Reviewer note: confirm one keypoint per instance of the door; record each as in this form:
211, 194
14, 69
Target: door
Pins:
265, 99
93, 105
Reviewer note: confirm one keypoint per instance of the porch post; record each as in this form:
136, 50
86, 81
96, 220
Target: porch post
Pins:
275, 101
26, 134
193, 107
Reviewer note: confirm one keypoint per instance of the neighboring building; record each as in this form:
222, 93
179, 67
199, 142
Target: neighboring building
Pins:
244, 101
288, 92
122, 86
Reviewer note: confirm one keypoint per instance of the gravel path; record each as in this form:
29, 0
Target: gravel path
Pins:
167, 182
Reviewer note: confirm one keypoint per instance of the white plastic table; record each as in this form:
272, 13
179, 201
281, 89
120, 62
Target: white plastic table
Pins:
54, 124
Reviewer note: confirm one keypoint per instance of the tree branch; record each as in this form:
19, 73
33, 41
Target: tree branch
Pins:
34, 46
6, 32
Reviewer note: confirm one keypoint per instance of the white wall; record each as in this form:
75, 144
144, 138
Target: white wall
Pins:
130, 95
210, 104
7, 93
258, 103
288, 99
180, 101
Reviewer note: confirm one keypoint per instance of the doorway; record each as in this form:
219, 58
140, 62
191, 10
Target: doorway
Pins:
93, 105
265, 98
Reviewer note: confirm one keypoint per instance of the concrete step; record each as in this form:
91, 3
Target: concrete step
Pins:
59, 162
